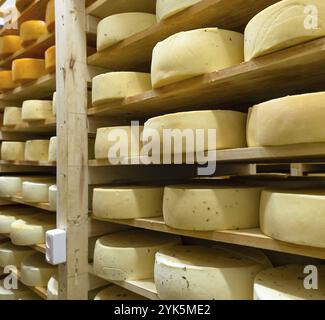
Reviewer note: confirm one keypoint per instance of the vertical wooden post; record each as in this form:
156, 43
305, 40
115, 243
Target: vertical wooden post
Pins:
72, 164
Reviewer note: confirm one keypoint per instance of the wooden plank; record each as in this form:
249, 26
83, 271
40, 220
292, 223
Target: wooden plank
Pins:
105, 8
28, 163
71, 84
135, 52
43, 206
43, 126
301, 68
250, 237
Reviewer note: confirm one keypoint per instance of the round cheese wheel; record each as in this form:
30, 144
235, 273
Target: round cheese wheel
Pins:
50, 15
37, 150
36, 110
25, 70
6, 80
52, 197
167, 8
31, 31
127, 202
118, 85
21, 5
129, 254
203, 273
287, 283
230, 128
209, 208
50, 59
52, 149
36, 192
10, 186
35, 271
283, 121
9, 45
11, 116
11, 255
117, 293
118, 27
103, 145
54, 104
282, 25
31, 231
21, 293
12, 151
53, 288
192, 53
294, 216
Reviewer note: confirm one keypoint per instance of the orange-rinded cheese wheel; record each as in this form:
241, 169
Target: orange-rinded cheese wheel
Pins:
24, 70
31, 31
50, 59
6, 82
21, 5
50, 15
9, 45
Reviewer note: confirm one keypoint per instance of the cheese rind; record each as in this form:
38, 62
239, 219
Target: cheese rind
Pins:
37, 150
53, 288
12, 151
117, 293
10, 186
118, 27
11, 255
127, 202
283, 121
54, 104
31, 31
294, 216
36, 192
50, 59
52, 197
35, 272
118, 85
52, 149
11, 116
282, 25
50, 15
36, 110
9, 45
103, 144
192, 53
287, 283
168, 8
203, 273
230, 128
6, 80
25, 70
204, 208
129, 254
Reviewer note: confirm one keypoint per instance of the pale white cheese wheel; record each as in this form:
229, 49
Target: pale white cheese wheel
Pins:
167, 8
52, 197
31, 231
118, 27
37, 150
203, 273
54, 105
21, 293
12, 151
129, 255
52, 149
11, 255
294, 216
287, 283
127, 202
283, 121
106, 138
284, 24
119, 85
117, 293
35, 271
192, 53
11, 116
53, 288
36, 110
36, 192
10, 186
229, 127
208, 208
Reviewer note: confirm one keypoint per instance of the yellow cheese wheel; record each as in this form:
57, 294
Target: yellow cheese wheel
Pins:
50, 15
6, 82
31, 31
21, 5
24, 70
11, 116
50, 59
12, 151
37, 150
9, 45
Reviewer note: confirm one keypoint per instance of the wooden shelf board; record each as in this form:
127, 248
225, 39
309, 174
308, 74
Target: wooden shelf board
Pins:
135, 52
28, 163
250, 237
47, 126
20, 200
301, 68
38, 247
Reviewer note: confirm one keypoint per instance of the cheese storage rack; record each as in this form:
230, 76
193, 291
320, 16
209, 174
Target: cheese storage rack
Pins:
300, 68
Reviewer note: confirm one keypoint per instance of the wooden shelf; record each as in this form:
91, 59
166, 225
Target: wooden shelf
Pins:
38, 247
28, 163
301, 68
20, 200
250, 237
39, 89
47, 126
135, 52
